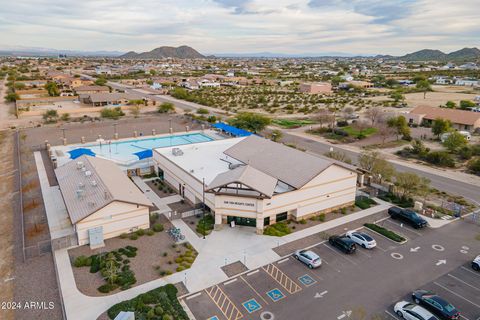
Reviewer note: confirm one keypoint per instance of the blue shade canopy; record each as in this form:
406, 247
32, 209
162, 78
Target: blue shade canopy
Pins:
75, 153
144, 154
232, 130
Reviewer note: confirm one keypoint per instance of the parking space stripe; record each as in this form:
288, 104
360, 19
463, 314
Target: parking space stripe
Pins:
458, 295
219, 297
230, 281
193, 296
390, 314
251, 287
465, 283
472, 272
463, 317
333, 250
253, 272
283, 260
405, 228
364, 253
285, 281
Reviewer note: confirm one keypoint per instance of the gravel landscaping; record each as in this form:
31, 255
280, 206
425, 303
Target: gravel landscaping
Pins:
157, 256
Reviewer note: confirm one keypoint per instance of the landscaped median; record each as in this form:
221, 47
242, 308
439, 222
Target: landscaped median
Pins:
385, 232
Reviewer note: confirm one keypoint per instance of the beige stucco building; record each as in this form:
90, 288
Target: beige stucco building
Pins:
254, 181
101, 200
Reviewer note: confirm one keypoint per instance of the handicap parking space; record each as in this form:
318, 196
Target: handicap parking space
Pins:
296, 269
243, 295
203, 307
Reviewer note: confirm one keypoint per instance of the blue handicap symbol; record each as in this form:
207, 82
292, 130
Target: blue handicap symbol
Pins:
307, 280
251, 305
213, 318
275, 295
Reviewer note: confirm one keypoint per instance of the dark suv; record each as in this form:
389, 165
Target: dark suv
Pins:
408, 216
343, 243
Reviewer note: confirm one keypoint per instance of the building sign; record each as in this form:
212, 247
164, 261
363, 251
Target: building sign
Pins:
236, 203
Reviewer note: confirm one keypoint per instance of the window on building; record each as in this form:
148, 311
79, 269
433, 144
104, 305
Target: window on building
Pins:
281, 216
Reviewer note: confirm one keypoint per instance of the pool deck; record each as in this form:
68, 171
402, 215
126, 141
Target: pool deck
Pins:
61, 152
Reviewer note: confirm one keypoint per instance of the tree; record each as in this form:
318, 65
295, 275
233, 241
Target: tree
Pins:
373, 114
135, 110
111, 271
440, 126
101, 81
202, 111
366, 160
424, 86
65, 116
372, 162
455, 141
12, 97
52, 89
384, 131
323, 116
250, 121
409, 183
166, 107
276, 135
339, 156
400, 125
451, 105
467, 104
397, 96
50, 116
474, 165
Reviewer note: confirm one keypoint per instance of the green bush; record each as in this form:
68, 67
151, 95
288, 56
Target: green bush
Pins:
205, 224
158, 227
278, 229
112, 113
158, 310
440, 158
385, 232
180, 268
106, 288
321, 217
362, 203
133, 236
399, 201
150, 232
303, 221
140, 232
82, 261
123, 235
153, 217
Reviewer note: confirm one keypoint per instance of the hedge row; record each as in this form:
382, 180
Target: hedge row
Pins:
385, 232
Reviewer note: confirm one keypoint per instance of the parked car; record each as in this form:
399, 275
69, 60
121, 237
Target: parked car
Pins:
410, 217
310, 258
476, 264
362, 239
343, 243
411, 311
437, 305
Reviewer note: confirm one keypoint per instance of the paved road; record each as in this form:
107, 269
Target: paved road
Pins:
441, 183
368, 282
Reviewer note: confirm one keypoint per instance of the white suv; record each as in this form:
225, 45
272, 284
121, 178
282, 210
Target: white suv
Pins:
476, 264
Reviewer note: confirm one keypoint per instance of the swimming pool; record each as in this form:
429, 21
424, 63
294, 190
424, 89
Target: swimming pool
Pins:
131, 151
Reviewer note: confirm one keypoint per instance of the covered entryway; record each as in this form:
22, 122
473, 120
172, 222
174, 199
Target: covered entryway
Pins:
241, 221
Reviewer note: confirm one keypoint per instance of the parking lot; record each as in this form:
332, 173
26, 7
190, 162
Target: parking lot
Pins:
359, 286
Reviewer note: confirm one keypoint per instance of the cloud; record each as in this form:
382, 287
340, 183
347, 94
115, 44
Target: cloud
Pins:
285, 26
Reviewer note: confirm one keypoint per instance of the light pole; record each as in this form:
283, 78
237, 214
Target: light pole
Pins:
115, 134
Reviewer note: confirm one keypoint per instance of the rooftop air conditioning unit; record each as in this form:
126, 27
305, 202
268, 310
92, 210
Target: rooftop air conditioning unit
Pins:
88, 173
94, 183
79, 165
232, 166
79, 193
81, 186
177, 152
84, 169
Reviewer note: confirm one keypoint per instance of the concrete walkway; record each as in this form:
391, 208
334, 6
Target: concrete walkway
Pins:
160, 203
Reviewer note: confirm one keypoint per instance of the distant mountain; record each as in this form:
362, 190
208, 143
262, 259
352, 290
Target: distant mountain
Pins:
49, 52
465, 54
182, 52
285, 55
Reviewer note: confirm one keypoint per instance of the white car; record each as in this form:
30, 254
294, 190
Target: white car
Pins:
476, 264
362, 239
410, 311
310, 258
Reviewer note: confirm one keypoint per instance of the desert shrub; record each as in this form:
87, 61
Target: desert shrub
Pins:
123, 235
150, 232
140, 232
158, 227
133, 236
106, 288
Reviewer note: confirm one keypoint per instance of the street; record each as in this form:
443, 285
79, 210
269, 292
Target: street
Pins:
358, 286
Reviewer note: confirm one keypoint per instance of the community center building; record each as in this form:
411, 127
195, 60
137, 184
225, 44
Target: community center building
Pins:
256, 182
101, 201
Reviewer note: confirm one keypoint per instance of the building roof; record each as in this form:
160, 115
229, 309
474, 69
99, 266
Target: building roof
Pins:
92, 88
89, 184
455, 116
248, 176
293, 167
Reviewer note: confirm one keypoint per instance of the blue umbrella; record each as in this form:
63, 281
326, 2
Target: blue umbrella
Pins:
75, 153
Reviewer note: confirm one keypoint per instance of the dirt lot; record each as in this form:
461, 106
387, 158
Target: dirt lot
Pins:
147, 265
7, 188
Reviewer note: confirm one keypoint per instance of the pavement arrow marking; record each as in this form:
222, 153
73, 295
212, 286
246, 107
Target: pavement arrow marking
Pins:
414, 249
320, 295
441, 262
345, 314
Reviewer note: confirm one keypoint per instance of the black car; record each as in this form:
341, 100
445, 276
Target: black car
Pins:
408, 216
343, 243
440, 307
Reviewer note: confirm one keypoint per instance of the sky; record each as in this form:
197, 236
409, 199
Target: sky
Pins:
242, 26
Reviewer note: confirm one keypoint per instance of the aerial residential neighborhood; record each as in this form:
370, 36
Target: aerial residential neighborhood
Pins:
240, 160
